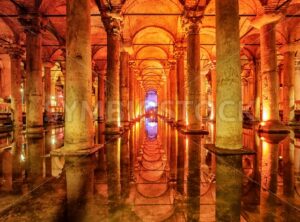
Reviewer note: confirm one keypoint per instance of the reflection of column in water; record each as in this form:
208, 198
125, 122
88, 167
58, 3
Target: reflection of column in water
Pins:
193, 179
180, 164
288, 166
80, 183
228, 187
173, 154
35, 161
101, 154
269, 171
18, 161
48, 148
6, 158
113, 178
125, 165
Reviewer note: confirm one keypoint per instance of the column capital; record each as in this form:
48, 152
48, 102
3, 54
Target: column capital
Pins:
191, 25
113, 23
15, 51
265, 19
179, 50
48, 64
31, 22
132, 64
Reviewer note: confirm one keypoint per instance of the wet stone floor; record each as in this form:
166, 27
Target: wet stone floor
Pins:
152, 173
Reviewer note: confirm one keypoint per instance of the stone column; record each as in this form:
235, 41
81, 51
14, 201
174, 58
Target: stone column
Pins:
16, 79
131, 90
172, 91
34, 85
79, 129
101, 95
213, 93
270, 80
124, 89
193, 90
47, 85
288, 88
112, 25
228, 112
257, 90
79, 118
297, 86
179, 55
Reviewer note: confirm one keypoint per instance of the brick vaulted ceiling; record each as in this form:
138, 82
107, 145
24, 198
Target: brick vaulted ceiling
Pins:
150, 27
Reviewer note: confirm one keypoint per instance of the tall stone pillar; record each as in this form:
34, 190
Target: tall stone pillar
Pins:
112, 25
213, 93
179, 55
16, 79
288, 88
47, 87
297, 86
257, 90
124, 88
131, 90
101, 95
79, 118
34, 85
270, 79
193, 86
172, 91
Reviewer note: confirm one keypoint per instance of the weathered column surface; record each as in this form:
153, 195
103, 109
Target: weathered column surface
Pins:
179, 55
131, 90
101, 95
229, 94
270, 80
79, 119
47, 87
16, 79
113, 27
34, 85
213, 93
228, 112
172, 91
124, 88
193, 86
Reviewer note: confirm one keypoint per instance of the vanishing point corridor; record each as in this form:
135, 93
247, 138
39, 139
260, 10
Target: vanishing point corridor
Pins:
149, 110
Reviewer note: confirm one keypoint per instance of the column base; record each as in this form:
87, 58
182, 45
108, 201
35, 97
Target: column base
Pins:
35, 132
273, 138
193, 131
294, 123
125, 124
271, 126
224, 152
75, 153
100, 120
113, 131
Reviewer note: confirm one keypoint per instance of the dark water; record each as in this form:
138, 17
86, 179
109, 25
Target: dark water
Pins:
152, 173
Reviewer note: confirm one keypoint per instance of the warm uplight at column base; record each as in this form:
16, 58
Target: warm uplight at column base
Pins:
273, 126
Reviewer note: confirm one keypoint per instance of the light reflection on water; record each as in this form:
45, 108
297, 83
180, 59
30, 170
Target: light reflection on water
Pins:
158, 183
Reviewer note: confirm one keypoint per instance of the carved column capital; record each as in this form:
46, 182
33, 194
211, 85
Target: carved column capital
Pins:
32, 23
15, 51
113, 23
179, 50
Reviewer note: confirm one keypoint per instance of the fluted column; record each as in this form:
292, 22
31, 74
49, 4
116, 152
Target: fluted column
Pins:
34, 85
270, 80
16, 79
113, 27
193, 86
179, 55
124, 89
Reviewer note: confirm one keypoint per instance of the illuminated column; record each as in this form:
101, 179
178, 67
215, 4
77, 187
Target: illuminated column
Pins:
101, 95
172, 91
288, 88
270, 79
34, 85
112, 24
193, 87
79, 129
179, 54
213, 93
228, 113
16, 78
204, 97
131, 90
47, 82
257, 89
124, 88
297, 86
